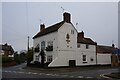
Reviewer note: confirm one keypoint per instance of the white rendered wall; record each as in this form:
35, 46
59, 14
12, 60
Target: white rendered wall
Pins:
65, 53
46, 38
61, 53
103, 59
90, 53
62, 32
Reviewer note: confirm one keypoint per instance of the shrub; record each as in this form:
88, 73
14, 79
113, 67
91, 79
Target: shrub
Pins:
6, 59
36, 63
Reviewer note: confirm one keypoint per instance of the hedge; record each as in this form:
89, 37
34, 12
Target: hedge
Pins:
6, 59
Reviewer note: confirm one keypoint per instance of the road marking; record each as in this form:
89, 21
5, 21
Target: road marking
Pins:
29, 73
72, 76
48, 74
55, 75
14, 71
20, 68
5, 71
9, 71
80, 76
89, 77
20, 72
41, 74
34, 73
64, 75
102, 75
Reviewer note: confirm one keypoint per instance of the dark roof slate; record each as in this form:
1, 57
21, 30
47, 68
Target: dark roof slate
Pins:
86, 41
6, 48
49, 29
105, 49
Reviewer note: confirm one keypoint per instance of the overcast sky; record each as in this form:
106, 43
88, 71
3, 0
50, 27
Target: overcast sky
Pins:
98, 20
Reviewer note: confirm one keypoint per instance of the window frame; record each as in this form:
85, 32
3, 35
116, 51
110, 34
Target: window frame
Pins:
78, 45
49, 58
43, 45
36, 58
87, 46
72, 32
84, 58
49, 46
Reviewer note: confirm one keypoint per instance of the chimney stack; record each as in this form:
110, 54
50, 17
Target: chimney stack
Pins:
81, 34
113, 45
67, 17
42, 27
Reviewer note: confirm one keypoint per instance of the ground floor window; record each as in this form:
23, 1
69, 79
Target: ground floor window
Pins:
84, 57
49, 58
37, 58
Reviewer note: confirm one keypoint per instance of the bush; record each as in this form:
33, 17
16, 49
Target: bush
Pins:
30, 55
37, 63
6, 59
17, 58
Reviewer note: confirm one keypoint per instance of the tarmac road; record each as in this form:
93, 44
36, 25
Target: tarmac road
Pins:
37, 73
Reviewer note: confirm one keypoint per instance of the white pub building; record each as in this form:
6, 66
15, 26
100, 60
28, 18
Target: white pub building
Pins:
65, 46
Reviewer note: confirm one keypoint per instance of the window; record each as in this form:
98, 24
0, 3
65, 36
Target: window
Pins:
43, 45
37, 48
37, 58
84, 57
49, 46
49, 58
72, 31
87, 46
78, 45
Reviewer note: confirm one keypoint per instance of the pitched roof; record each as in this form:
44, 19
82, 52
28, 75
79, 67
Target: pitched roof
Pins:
6, 48
85, 41
105, 49
49, 29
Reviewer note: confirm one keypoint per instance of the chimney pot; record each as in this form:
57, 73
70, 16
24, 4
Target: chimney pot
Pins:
67, 17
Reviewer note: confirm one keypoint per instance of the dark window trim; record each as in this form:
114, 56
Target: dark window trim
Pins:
87, 46
84, 62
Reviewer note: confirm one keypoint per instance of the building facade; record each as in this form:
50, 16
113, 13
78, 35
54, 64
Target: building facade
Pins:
64, 45
6, 50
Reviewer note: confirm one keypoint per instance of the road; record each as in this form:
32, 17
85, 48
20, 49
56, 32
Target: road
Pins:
86, 73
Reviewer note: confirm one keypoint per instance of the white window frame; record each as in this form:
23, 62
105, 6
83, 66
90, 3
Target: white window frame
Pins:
43, 45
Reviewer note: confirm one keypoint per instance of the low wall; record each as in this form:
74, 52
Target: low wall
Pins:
9, 64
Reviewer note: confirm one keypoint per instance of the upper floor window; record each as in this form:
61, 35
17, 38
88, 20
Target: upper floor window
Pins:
78, 45
43, 45
37, 48
49, 46
87, 46
72, 31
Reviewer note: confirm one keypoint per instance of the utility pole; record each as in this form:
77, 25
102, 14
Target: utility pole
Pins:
28, 43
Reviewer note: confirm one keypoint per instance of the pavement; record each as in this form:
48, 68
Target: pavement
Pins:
21, 71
